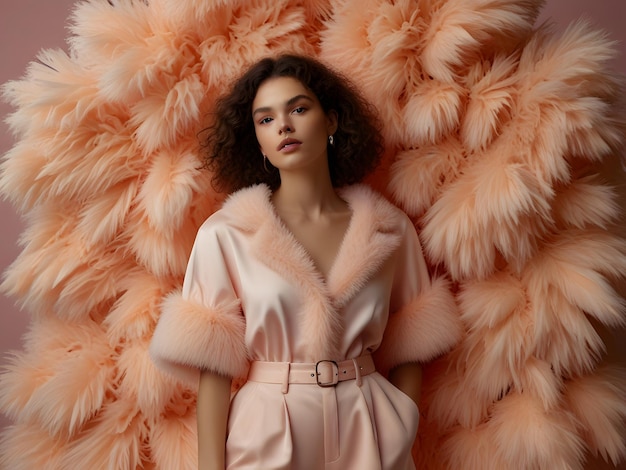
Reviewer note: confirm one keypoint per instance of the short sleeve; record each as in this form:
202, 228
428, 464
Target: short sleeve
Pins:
202, 326
423, 321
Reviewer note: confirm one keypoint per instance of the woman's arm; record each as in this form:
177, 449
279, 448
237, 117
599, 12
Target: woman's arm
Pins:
212, 413
408, 378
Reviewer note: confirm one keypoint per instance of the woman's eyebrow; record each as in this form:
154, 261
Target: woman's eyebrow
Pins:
289, 102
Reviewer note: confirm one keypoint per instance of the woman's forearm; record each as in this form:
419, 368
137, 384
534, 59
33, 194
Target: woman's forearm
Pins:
212, 413
408, 378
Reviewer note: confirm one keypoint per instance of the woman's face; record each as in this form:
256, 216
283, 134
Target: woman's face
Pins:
290, 124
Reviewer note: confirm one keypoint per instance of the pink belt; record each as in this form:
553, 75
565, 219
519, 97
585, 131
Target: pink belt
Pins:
323, 373
326, 374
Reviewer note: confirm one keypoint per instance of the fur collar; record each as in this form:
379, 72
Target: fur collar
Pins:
375, 231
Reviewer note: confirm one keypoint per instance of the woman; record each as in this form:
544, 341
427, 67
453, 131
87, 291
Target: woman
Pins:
295, 282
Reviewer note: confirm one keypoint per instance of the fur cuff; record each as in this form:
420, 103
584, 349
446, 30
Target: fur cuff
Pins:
190, 337
424, 329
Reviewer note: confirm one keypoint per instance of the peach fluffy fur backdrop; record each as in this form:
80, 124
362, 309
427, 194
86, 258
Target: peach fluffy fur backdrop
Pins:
504, 140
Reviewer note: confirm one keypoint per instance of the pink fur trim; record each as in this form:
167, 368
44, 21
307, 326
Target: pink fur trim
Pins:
274, 245
375, 232
424, 329
211, 339
318, 317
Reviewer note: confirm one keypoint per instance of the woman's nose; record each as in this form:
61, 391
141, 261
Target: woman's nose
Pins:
285, 128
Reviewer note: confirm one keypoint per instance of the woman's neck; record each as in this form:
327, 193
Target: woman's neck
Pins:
307, 195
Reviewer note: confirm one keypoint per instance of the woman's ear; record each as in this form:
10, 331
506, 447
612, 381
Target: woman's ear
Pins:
332, 118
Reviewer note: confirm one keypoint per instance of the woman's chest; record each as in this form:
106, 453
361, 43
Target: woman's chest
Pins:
283, 313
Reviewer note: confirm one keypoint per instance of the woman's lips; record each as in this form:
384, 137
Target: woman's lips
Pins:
288, 144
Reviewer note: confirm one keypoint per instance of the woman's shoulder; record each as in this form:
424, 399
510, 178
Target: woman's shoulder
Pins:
241, 210
364, 198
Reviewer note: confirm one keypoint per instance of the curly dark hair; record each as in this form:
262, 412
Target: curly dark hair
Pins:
232, 152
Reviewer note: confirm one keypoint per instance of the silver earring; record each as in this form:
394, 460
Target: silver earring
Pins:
265, 163
331, 140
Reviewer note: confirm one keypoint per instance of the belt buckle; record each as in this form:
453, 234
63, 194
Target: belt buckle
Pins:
335, 373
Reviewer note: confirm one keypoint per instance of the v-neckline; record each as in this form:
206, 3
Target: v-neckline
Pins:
375, 230
325, 278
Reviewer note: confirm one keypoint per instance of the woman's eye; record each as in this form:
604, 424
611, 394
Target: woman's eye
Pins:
299, 110
265, 120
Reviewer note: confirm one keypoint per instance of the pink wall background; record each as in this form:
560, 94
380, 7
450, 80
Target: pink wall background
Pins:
28, 26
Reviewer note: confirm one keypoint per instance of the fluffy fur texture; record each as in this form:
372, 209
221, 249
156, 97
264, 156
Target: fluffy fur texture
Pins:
426, 328
503, 141
375, 230
195, 347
